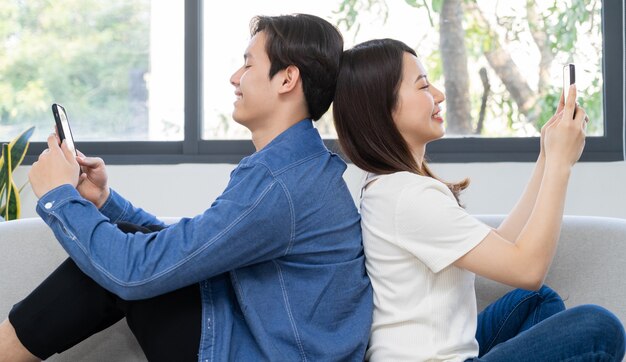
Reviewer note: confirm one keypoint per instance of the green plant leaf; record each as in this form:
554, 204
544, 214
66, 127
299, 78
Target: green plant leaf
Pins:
4, 176
19, 146
7, 181
17, 150
14, 207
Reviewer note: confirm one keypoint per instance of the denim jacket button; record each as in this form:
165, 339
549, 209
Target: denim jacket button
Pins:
48, 205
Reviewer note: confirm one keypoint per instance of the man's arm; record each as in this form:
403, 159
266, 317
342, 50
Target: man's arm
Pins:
250, 223
117, 209
93, 186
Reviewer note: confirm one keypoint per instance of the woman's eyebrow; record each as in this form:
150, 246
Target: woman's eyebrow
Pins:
420, 77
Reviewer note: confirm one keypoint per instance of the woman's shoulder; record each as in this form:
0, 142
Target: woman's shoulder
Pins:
408, 180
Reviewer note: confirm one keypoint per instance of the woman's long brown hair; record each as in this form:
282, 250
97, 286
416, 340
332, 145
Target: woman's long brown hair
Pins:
365, 98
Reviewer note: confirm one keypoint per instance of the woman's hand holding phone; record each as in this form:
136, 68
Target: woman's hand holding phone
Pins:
569, 79
565, 134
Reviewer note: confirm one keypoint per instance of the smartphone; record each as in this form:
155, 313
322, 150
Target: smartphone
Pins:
63, 126
569, 78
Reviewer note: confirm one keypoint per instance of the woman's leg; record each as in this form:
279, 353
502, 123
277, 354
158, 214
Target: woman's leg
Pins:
583, 333
514, 313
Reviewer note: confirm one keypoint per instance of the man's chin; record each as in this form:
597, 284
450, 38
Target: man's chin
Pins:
241, 121
237, 118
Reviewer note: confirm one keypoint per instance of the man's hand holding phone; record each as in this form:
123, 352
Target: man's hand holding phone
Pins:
56, 166
92, 184
87, 174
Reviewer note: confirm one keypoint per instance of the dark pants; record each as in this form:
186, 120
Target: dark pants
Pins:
69, 306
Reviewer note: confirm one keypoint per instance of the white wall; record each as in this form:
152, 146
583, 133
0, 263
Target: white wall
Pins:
185, 190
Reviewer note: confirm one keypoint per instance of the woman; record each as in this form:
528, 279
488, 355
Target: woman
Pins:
423, 250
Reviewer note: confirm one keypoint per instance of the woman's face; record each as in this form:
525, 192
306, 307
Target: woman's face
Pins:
416, 114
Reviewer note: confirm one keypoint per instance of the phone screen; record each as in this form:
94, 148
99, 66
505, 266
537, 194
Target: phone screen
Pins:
63, 126
569, 78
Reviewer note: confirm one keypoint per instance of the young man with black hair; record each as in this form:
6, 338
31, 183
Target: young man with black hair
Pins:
273, 270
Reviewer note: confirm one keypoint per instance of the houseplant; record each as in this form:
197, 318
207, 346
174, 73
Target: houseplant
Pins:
12, 155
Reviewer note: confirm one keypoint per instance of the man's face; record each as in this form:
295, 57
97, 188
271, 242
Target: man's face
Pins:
257, 95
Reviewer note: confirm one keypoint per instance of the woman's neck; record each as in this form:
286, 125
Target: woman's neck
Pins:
418, 155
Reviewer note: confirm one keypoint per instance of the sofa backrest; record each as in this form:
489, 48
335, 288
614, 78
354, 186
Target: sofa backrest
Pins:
589, 268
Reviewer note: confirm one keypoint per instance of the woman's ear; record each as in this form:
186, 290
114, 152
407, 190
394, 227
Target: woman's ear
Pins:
291, 78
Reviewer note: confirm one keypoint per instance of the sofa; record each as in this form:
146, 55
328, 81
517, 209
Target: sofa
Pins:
590, 267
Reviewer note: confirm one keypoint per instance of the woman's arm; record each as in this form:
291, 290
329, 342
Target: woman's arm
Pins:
518, 217
523, 261
513, 224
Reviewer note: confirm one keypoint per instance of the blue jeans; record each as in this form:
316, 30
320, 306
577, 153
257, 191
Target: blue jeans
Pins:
534, 326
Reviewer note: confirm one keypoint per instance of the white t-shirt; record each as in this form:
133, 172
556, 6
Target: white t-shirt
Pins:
424, 307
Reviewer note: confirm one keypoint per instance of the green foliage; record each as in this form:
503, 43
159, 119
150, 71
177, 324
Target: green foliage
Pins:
86, 53
12, 155
349, 11
562, 22
435, 5
562, 25
434, 65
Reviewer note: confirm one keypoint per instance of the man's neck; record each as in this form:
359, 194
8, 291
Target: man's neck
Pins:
262, 136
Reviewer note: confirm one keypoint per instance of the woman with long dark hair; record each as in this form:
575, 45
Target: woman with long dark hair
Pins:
423, 249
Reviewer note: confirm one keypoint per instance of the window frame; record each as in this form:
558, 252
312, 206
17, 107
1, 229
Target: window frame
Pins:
193, 149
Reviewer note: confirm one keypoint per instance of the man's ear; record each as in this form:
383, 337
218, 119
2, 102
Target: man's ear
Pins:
290, 79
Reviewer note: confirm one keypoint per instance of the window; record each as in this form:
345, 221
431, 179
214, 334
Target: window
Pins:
497, 119
116, 66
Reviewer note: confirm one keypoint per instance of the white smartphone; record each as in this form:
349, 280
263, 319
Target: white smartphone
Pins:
569, 78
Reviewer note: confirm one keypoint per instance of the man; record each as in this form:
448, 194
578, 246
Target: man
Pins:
273, 270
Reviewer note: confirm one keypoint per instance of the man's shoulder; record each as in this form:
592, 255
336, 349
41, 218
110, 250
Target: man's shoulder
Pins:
292, 153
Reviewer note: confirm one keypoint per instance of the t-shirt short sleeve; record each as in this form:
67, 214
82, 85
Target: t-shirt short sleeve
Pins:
432, 226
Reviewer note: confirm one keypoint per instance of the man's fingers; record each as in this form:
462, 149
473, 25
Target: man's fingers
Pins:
69, 154
91, 162
52, 142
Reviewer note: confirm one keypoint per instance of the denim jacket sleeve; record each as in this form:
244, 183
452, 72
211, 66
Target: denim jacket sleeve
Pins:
251, 222
116, 208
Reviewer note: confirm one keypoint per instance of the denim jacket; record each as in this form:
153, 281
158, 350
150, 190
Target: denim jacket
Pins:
278, 256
